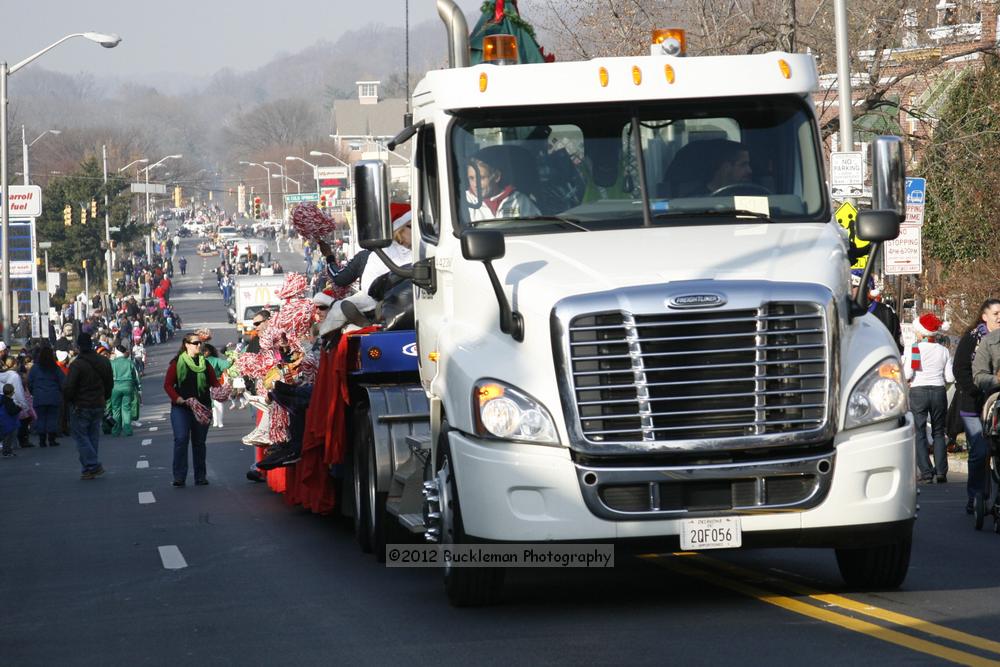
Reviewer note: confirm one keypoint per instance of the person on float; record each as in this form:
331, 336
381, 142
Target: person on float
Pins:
399, 252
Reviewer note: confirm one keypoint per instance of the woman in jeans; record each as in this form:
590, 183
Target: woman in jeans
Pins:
188, 379
927, 366
970, 397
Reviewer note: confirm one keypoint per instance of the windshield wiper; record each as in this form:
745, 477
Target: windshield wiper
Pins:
566, 222
736, 213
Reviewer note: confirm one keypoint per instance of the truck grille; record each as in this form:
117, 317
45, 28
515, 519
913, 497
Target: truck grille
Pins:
692, 375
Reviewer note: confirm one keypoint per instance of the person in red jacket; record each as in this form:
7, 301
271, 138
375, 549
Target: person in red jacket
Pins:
187, 383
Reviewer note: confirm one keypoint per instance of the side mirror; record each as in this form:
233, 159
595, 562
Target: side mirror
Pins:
485, 245
371, 204
889, 177
482, 245
877, 225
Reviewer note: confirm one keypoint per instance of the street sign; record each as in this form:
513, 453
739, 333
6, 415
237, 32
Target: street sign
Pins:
302, 198
904, 254
847, 216
847, 168
323, 173
24, 201
151, 188
916, 196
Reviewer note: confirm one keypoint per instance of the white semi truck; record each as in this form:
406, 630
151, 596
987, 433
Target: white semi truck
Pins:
635, 321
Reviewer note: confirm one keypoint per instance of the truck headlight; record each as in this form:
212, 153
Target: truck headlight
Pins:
502, 411
879, 395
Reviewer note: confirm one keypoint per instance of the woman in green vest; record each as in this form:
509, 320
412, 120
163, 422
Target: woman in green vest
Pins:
125, 393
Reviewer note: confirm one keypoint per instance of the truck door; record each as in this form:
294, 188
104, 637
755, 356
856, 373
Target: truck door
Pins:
429, 308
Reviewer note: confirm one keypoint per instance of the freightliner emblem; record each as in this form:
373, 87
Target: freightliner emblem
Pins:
696, 301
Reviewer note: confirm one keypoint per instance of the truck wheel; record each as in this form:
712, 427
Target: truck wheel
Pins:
375, 501
875, 568
465, 586
360, 481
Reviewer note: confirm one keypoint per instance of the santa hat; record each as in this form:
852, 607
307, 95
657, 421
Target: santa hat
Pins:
400, 214
324, 298
927, 324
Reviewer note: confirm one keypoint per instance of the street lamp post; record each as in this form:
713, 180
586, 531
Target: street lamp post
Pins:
149, 239
284, 185
270, 208
298, 185
25, 146
308, 164
107, 41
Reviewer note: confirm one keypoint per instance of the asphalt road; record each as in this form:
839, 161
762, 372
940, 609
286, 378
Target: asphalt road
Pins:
85, 578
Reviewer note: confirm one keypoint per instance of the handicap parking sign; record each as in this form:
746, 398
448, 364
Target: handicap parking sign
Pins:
916, 189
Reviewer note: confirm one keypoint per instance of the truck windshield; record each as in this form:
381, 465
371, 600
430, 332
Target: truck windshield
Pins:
576, 168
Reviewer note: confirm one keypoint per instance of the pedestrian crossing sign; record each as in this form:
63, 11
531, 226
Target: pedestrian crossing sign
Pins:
847, 216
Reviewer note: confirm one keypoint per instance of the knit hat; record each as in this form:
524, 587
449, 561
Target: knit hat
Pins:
62, 355
927, 324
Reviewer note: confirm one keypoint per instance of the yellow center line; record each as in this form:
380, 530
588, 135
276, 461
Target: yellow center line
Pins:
895, 618
827, 616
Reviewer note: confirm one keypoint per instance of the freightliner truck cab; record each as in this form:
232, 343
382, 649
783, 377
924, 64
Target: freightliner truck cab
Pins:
634, 315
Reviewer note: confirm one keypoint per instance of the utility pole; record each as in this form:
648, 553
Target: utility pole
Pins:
110, 257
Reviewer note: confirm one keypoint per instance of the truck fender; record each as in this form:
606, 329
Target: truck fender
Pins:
395, 411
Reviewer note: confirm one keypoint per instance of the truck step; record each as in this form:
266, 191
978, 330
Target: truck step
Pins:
418, 442
412, 522
392, 505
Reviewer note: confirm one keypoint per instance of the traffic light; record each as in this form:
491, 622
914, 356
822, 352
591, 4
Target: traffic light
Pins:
256, 208
93, 209
322, 201
84, 263
178, 196
83, 214
68, 216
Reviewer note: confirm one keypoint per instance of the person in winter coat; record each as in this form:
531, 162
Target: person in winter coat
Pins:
45, 382
927, 366
9, 422
189, 377
87, 390
969, 397
220, 365
125, 393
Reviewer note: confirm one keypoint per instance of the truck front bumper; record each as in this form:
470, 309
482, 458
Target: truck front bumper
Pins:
513, 492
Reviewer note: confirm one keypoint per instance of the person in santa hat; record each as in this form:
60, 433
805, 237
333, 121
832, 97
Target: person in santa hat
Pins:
400, 254
927, 367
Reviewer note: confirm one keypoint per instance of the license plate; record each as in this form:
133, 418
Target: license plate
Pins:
711, 533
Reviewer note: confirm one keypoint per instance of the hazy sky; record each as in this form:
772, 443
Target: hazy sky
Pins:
195, 37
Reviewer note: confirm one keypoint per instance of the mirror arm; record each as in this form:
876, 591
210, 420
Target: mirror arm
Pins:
422, 273
511, 321
859, 306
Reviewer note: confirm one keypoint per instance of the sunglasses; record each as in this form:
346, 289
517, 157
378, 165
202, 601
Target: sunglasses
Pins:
257, 323
192, 342
323, 307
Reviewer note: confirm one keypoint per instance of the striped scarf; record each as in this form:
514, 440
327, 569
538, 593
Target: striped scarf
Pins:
915, 353
977, 335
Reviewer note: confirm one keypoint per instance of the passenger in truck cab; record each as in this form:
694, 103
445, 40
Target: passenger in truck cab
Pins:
492, 192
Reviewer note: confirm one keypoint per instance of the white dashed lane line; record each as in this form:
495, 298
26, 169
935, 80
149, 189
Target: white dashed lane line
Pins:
154, 428
141, 464
172, 557
146, 497
147, 442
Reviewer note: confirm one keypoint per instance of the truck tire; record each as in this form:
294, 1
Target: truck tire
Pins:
882, 567
375, 502
359, 454
465, 586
